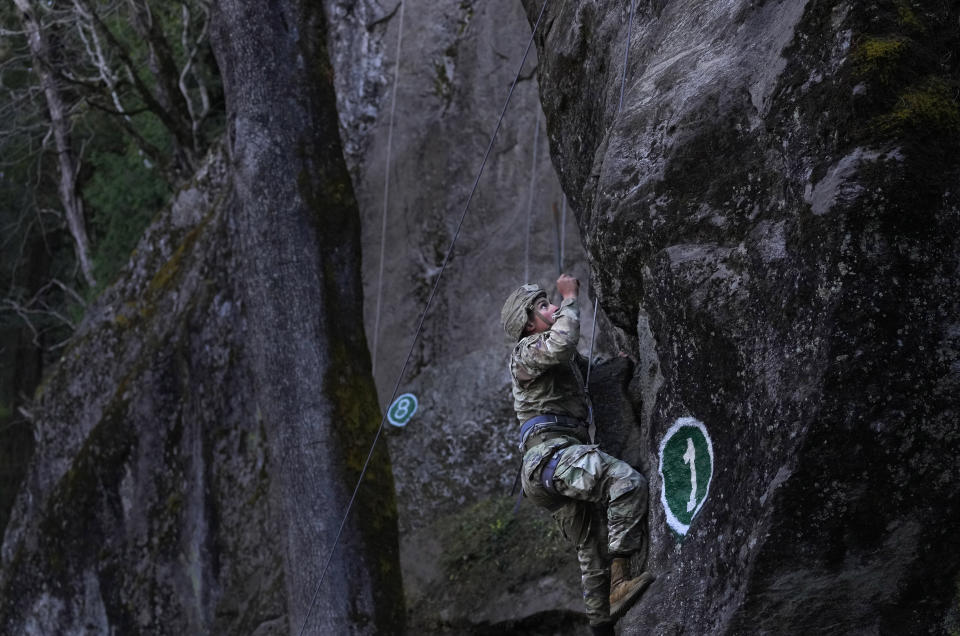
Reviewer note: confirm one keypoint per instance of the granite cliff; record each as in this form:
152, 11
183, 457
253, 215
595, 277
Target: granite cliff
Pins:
187, 478
771, 219
769, 216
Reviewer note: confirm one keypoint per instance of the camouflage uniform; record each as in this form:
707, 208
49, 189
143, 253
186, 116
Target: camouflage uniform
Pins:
600, 501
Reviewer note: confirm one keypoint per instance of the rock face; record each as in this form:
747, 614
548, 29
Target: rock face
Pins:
772, 219
198, 442
298, 234
146, 507
771, 216
455, 462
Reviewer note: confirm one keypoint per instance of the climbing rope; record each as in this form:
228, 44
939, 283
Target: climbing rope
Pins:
563, 229
426, 309
596, 300
533, 181
386, 191
626, 57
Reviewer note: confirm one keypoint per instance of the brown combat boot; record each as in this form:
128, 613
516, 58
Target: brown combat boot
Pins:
624, 591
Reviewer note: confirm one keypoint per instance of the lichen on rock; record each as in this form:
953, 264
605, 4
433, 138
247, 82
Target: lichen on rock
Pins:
788, 255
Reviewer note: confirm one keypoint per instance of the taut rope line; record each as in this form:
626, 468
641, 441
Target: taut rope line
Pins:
563, 228
386, 191
423, 316
626, 57
596, 300
533, 181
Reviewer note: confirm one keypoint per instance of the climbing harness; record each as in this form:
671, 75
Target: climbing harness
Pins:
386, 192
423, 316
546, 476
546, 426
542, 423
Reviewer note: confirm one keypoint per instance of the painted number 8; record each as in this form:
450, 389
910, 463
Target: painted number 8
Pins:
402, 408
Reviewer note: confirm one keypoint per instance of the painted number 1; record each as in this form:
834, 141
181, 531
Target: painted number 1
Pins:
690, 457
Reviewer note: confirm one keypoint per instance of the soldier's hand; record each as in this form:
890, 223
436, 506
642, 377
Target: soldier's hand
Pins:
568, 286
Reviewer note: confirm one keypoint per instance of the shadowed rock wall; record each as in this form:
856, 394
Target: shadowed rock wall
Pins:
455, 462
198, 441
146, 507
772, 220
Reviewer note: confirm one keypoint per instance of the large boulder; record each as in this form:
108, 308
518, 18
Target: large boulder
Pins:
772, 218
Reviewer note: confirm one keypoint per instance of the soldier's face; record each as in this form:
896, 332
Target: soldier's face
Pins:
536, 324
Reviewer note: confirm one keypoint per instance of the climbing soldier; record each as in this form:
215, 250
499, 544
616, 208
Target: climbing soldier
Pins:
599, 501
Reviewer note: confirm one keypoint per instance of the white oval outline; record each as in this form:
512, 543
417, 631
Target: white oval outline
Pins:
679, 527
416, 405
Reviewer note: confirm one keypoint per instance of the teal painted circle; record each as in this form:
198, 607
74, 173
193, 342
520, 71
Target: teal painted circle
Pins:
686, 469
402, 409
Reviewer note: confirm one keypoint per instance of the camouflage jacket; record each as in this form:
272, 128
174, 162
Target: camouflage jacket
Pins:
543, 369
546, 380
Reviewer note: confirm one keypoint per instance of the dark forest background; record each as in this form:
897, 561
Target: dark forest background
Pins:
106, 109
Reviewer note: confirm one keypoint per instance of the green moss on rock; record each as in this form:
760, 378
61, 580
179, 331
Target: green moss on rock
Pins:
485, 541
70, 534
929, 108
357, 417
487, 550
878, 56
169, 270
907, 16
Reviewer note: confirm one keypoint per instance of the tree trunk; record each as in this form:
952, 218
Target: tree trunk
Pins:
72, 204
297, 227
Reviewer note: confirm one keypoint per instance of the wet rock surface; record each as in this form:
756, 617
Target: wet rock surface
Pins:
772, 222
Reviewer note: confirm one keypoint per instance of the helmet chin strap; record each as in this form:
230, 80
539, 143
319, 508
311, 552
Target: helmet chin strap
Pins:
545, 319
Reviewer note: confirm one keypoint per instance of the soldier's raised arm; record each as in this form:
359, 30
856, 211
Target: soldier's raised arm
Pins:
556, 331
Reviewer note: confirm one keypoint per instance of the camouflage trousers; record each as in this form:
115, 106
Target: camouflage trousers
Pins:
603, 504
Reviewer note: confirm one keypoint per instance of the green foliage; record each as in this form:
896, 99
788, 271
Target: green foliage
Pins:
123, 194
127, 165
907, 77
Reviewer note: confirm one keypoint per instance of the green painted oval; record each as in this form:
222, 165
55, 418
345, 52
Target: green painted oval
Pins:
686, 469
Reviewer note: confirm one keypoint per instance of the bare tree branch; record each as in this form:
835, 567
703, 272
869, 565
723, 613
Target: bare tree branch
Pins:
69, 197
181, 133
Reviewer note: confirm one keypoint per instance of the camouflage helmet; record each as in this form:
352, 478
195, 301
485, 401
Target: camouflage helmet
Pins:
516, 311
